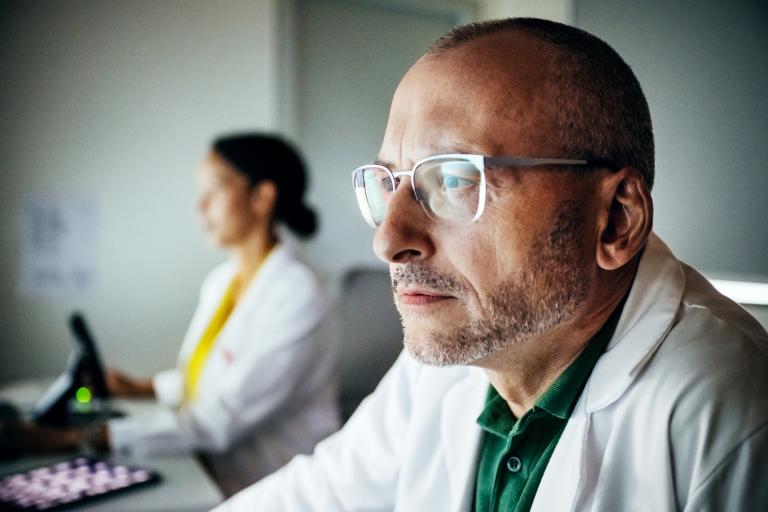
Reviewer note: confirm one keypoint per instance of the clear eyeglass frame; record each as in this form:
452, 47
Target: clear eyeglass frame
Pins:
389, 181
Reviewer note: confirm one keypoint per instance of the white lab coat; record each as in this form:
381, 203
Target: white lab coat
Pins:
673, 417
268, 390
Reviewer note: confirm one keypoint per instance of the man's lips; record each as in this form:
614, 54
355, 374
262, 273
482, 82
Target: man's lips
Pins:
414, 297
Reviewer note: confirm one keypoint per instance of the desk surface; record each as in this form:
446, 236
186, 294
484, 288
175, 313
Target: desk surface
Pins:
185, 487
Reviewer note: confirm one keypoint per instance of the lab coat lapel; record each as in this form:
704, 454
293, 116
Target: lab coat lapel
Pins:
254, 307
462, 404
213, 289
648, 315
562, 480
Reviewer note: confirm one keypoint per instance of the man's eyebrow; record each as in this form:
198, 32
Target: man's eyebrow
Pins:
437, 149
383, 163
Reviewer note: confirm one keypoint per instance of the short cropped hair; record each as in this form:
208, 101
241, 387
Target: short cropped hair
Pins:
600, 107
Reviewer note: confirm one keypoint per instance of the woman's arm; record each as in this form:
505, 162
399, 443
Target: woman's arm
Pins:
123, 385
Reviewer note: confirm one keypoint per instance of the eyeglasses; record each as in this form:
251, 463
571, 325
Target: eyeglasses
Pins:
448, 187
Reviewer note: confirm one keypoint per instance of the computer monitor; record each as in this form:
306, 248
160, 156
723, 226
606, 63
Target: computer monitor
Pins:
80, 394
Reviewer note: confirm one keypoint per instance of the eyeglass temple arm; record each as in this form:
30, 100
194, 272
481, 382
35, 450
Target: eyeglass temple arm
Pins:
533, 162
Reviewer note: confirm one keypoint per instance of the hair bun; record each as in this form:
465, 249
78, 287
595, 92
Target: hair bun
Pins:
300, 219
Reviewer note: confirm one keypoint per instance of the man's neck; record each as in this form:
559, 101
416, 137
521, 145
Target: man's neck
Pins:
522, 372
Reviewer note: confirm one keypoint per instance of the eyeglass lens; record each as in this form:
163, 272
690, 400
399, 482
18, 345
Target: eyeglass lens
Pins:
447, 188
379, 187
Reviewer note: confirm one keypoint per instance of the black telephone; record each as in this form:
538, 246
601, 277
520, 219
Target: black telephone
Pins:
80, 394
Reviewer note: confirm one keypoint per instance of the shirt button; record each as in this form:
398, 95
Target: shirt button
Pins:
514, 464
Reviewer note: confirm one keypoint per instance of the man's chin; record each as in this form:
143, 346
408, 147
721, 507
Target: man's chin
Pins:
441, 350
427, 355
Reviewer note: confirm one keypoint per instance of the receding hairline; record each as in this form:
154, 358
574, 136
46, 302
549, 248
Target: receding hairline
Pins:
465, 35
549, 47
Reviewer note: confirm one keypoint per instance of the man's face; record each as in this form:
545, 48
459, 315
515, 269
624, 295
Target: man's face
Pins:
466, 292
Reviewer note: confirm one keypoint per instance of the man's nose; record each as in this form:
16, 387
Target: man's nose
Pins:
404, 233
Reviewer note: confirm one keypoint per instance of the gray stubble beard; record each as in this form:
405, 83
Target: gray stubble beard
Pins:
518, 309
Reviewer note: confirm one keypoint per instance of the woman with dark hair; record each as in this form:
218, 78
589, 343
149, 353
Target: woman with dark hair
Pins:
255, 381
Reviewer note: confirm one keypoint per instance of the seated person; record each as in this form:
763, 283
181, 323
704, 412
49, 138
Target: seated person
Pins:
559, 356
255, 382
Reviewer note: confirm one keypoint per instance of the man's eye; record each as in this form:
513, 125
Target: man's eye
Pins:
453, 182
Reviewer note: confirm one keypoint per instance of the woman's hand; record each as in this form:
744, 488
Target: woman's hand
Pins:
122, 385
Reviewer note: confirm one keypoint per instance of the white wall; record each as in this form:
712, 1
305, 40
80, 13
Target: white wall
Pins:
118, 100
555, 10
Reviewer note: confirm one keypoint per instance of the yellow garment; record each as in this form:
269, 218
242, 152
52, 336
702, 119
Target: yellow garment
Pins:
207, 340
204, 346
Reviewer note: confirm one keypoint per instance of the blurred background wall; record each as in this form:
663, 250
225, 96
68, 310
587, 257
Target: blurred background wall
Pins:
114, 103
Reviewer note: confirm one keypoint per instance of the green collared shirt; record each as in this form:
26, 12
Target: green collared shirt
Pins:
514, 452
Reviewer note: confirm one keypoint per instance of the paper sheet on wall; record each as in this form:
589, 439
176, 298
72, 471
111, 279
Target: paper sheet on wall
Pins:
58, 245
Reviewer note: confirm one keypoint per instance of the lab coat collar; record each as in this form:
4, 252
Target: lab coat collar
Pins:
257, 287
647, 318
274, 262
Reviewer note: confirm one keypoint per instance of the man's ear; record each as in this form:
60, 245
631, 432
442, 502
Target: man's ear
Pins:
263, 198
626, 217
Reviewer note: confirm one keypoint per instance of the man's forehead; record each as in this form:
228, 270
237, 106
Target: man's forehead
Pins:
453, 103
496, 58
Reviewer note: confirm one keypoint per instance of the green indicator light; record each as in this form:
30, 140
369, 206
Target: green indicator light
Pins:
83, 395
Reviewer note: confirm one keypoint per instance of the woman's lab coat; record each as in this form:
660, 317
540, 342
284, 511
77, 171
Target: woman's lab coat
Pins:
268, 389
673, 417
